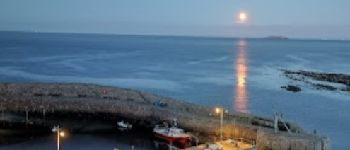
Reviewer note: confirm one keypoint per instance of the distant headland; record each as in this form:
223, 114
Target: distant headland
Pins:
276, 37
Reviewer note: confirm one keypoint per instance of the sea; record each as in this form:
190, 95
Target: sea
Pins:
239, 74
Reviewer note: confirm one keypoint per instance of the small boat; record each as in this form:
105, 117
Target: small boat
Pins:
171, 134
124, 125
214, 147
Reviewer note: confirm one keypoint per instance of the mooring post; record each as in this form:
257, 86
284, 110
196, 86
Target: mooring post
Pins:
275, 124
234, 128
171, 145
2, 113
27, 114
44, 113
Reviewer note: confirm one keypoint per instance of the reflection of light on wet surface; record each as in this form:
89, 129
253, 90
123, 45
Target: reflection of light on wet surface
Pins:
240, 102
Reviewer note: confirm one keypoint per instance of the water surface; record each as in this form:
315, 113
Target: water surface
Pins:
240, 74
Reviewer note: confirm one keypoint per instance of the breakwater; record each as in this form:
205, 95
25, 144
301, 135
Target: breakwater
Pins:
89, 108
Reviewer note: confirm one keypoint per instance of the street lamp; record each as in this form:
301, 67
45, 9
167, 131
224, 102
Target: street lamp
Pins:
220, 111
59, 134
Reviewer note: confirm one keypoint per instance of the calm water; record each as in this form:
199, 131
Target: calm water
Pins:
240, 74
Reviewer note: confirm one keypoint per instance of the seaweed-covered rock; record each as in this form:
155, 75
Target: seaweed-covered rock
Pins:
292, 88
318, 80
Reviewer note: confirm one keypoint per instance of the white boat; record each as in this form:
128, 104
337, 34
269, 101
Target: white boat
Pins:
214, 147
124, 125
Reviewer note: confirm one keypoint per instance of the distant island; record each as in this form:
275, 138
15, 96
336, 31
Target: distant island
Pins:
276, 37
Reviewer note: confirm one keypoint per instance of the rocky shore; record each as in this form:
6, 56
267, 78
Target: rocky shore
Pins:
320, 80
92, 108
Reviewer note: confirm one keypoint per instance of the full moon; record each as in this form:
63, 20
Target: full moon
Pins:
242, 17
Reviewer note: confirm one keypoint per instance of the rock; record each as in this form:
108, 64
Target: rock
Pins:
325, 87
346, 89
292, 88
314, 78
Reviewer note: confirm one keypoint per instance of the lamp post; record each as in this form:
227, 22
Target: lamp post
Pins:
59, 134
220, 111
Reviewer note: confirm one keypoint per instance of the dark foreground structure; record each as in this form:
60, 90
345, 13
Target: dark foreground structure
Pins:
90, 108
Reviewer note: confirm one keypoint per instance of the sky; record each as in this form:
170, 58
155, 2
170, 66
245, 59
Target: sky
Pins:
325, 19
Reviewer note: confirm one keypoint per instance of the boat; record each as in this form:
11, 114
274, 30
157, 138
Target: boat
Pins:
214, 146
171, 134
124, 125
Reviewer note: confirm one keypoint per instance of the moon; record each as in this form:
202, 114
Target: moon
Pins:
242, 17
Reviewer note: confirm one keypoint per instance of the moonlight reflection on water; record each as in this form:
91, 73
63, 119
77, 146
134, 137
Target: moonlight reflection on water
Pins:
240, 99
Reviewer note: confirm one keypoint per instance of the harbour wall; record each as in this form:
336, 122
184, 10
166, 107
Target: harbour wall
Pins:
49, 104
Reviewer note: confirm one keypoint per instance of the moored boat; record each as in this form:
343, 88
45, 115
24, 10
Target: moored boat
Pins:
124, 125
171, 134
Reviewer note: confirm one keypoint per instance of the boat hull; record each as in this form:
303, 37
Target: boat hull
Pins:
181, 140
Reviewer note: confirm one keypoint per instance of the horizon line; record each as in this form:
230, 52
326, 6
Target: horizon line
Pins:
181, 35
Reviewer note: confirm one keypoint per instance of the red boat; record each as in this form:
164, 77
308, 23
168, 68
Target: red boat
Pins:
171, 134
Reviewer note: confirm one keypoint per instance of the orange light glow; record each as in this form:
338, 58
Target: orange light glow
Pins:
62, 134
217, 110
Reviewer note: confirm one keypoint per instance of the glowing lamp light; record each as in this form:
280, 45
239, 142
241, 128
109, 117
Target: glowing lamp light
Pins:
217, 110
62, 134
